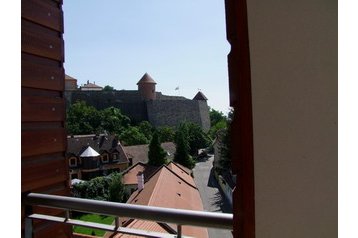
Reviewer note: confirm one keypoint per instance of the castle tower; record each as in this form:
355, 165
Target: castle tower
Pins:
146, 87
200, 96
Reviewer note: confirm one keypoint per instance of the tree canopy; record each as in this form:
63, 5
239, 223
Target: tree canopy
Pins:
182, 155
107, 188
132, 136
83, 119
156, 154
108, 88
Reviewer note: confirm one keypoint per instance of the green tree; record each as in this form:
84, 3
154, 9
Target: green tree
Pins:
197, 138
216, 116
132, 136
107, 188
108, 88
218, 121
146, 129
83, 119
156, 153
181, 155
117, 192
166, 134
113, 120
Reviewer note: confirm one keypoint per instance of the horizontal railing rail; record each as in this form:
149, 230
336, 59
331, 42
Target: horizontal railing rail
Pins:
157, 214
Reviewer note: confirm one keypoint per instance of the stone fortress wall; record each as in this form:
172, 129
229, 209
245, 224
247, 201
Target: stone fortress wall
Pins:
158, 109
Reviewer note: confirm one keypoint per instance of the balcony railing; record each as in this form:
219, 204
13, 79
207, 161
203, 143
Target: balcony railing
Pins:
180, 217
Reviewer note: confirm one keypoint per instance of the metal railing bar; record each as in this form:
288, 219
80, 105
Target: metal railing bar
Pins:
105, 227
158, 214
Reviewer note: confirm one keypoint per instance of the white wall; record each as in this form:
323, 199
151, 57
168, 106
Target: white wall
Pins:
293, 50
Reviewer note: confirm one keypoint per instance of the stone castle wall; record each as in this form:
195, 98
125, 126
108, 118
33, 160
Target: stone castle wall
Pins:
165, 111
129, 102
173, 112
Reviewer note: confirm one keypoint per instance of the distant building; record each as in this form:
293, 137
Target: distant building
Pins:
130, 175
90, 87
130, 178
139, 153
70, 83
169, 187
145, 104
94, 155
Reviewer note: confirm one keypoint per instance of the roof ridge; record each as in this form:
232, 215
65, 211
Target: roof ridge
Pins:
132, 167
179, 167
155, 187
181, 178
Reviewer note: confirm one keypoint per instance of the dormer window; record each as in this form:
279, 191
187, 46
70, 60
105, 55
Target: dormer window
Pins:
105, 158
115, 157
72, 162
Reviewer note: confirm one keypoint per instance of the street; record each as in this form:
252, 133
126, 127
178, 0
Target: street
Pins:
213, 200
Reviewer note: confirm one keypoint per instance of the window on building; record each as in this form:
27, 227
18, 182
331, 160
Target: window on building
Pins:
115, 157
105, 158
72, 161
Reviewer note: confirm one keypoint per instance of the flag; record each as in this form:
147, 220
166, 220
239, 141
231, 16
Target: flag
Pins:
177, 88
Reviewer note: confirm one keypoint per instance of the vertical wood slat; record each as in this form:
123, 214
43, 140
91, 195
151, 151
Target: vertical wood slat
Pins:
241, 127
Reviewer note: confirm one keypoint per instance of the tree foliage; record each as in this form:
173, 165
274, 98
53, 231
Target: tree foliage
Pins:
156, 153
116, 190
197, 138
113, 120
83, 119
108, 88
146, 129
108, 188
182, 155
218, 121
132, 136
216, 116
166, 134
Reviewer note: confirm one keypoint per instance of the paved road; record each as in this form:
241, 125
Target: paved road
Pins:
213, 200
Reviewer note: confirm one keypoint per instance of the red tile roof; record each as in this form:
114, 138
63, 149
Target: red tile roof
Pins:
168, 189
146, 79
181, 172
139, 153
130, 175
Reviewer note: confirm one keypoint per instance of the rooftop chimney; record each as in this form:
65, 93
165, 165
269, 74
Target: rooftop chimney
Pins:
140, 179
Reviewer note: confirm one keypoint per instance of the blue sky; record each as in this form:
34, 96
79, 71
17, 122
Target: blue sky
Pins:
179, 43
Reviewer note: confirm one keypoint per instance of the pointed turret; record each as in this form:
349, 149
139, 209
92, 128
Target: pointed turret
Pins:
200, 96
146, 87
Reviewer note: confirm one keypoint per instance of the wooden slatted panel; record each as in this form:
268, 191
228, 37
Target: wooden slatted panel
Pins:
37, 142
43, 174
43, 138
38, 108
46, 13
40, 41
37, 72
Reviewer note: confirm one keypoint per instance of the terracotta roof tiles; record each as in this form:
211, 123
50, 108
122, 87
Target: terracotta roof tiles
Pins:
146, 79
168, 189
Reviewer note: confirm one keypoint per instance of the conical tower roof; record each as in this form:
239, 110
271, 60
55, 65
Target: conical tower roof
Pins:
200, 96
146, 79
89, 152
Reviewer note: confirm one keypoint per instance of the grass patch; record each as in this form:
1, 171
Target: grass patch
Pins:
93, 218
